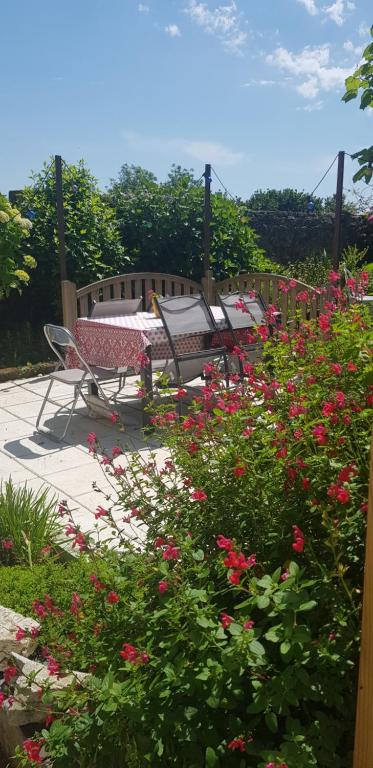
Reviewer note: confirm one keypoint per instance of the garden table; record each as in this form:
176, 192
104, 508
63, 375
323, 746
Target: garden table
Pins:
132, 341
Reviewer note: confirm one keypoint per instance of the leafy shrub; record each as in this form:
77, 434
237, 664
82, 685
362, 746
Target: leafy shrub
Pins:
21, 586
29, 524
162, 226
210, 646
15, 264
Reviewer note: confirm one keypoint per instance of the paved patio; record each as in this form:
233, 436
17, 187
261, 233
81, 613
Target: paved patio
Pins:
66, 468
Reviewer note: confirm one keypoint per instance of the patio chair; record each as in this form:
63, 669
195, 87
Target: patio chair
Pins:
60, 338
243, 319
114, 307
184, 316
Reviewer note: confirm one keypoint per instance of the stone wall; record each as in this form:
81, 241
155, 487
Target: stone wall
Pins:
288, 237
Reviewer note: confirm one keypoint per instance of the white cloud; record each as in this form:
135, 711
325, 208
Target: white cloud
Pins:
356, 50
203, 151
224, 22
253, 83
215, 153
363, 29
315, 107
312, 63
143, 8
338, 10
310, 6
309, 89
172, 30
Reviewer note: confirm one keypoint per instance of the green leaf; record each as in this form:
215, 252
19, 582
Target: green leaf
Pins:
211, 758
199, 555
263, 601
285, 647
271, 721
257, 648
308, 606
235, 629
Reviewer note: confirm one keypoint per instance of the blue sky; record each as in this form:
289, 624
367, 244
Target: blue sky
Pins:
252, 87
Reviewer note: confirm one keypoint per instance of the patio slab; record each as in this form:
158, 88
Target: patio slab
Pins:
66, 468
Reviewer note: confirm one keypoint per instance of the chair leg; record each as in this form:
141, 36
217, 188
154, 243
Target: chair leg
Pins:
72, 409
46, 398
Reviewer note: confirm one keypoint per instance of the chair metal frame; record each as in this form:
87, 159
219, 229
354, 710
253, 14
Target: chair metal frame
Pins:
58, 336
163, 305
241, 296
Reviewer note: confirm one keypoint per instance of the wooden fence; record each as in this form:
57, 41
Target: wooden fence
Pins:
275, 289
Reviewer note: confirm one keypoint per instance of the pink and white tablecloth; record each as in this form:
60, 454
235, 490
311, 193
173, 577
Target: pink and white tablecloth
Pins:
116, 342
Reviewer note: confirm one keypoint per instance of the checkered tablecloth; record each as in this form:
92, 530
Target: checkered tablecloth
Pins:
116, 342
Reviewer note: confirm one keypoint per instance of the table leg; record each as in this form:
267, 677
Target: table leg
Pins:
147, 385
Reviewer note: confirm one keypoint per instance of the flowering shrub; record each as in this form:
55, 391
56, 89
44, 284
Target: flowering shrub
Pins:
14, 265
204, 672
208, 645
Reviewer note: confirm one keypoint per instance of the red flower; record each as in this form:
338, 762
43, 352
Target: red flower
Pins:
159, 542
239, 744
351, 367
224, 543
235, 577
7, 544
20, 634
112, 598
343, 495
239, 470
34, 632
91, 438
336, 368
114, 417
347, 473
298, 535
9, 673
101, 512
225, 620
98, 585
163, 586
116, 451
320, 434
199, 495
171, 553
131, 654
181, 393
334, 276
32, 749
248, 624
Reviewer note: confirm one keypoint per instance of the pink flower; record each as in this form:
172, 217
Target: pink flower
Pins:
302, 296
114, 417
34, 632
171, 553
181, 393
163, 586
199, 495
98, 585
224, 543
320, 434
9, 673
238, 744
225, 620
39, 609
112, 598
116, 451
351, 366
75, 603
91, 438
292, 283
285, 575
53, 666
334, 276
20, 634
7, 544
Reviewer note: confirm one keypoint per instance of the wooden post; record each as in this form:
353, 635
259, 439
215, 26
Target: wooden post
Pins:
60, 218
207, 219
336, 247
363, 751
69, 307
208, 287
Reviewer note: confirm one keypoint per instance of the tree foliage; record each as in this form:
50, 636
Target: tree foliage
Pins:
292, 200
162, 225
93, 247
15, 264
362, 80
